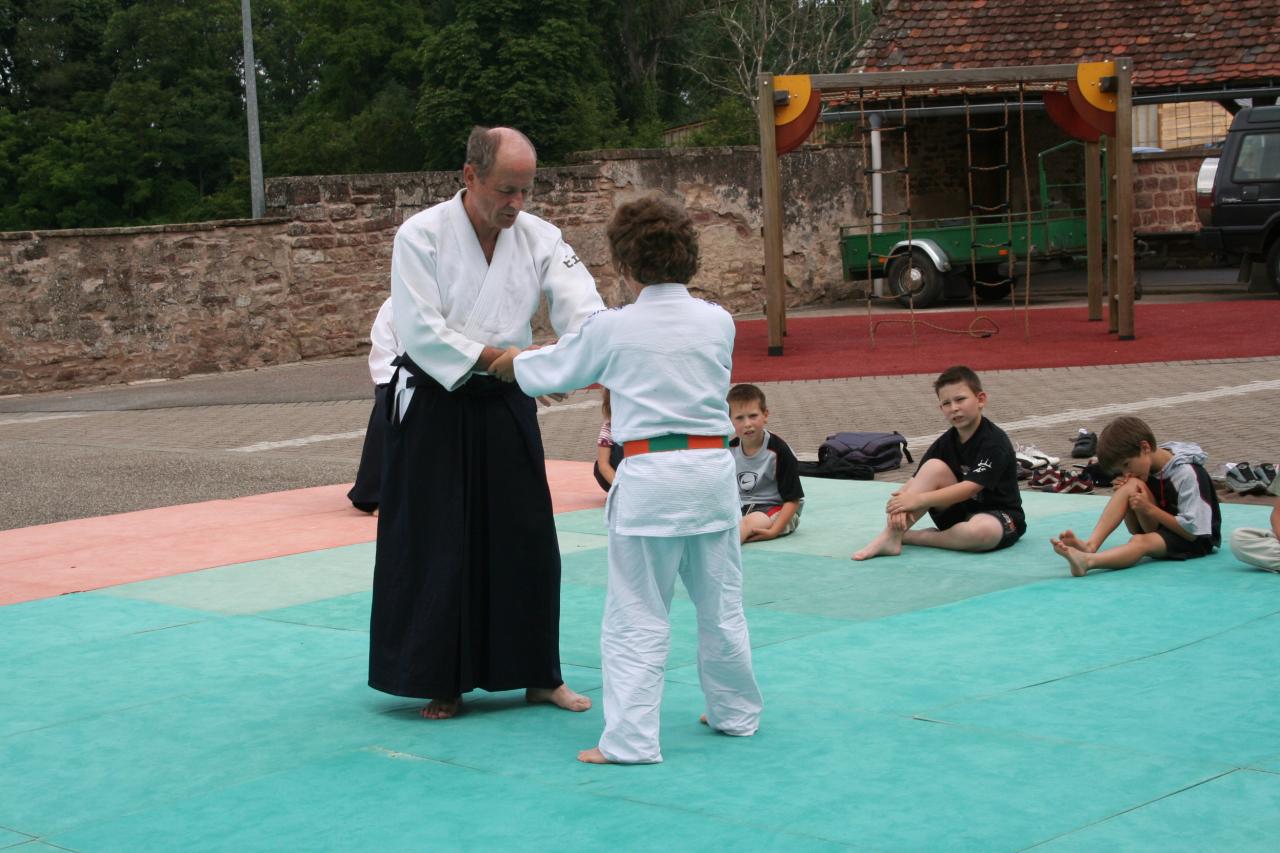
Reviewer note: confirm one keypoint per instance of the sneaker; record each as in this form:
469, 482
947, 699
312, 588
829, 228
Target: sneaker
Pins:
1037, 456
1047, 476
1070, 484
1265, 473
1242, 480
1086, 444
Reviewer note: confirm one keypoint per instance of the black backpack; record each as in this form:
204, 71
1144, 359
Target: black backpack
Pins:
880, 451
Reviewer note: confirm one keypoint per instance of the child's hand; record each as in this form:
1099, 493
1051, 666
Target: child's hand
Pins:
901, 503
899, 521
1141, 504
504, 366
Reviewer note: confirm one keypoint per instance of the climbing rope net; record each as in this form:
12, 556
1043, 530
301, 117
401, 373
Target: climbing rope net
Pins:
990, 208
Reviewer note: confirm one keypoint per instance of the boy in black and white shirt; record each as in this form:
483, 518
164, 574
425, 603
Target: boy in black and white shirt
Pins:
768, 477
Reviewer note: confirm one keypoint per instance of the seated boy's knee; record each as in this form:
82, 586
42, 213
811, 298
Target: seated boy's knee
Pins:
933, 471
986, 530
1152, 543
1133, 485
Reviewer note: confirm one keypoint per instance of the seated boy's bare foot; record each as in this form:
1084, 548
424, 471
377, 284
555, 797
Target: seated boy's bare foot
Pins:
442, 709
1077, 559
887, 544
561, 697
1069, 538
593, 756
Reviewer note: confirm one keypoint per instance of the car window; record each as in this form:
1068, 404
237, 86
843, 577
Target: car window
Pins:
1259, 158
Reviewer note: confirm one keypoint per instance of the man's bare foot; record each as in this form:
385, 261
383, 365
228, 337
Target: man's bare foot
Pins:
593, 756
442, 709
561, 697
1077, 559
1069, 538
887, 544
703, 720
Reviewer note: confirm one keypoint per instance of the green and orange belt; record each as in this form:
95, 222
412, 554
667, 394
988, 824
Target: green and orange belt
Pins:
674, 442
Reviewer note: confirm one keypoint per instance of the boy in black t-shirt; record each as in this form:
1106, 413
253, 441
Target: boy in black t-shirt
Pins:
768, 477
967, 480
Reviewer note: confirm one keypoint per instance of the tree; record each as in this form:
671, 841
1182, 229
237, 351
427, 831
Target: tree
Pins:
641, 37
340, 85
737, 40
532, 65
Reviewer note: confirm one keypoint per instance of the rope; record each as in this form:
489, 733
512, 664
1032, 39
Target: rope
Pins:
970, 331
1026, 186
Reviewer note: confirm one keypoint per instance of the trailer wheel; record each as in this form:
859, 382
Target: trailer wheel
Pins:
993, 292
914, 280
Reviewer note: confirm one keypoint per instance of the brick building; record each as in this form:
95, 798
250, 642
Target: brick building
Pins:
1190, 61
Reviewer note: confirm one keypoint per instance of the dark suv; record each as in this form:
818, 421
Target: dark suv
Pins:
1238, 193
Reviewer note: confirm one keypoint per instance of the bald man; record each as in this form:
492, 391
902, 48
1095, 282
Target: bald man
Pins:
466, 586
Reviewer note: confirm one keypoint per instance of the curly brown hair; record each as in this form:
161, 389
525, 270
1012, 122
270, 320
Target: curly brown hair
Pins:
1122, 439
653, 242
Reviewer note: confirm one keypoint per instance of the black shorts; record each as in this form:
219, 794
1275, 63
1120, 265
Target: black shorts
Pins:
1011, 529
1177, 548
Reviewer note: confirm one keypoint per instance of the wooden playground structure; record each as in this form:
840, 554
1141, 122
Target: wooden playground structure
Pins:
1090, 102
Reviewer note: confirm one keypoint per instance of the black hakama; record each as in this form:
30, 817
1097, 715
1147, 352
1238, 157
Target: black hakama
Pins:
466, 584
365, 492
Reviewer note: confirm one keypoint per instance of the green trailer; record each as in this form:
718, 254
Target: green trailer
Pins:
924, 260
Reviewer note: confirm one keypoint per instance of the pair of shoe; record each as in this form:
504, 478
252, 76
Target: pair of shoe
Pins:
1060, 482
1086, 444
1247, 478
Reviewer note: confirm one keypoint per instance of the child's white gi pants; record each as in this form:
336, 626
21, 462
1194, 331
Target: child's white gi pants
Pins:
636, 632
1256, 547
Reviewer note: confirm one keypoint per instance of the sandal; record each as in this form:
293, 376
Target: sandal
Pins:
1086, 444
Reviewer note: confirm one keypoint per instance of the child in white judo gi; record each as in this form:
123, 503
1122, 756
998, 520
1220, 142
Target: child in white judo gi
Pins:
673, 508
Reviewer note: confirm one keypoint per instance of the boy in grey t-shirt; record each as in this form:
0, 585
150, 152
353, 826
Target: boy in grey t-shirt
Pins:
768, 477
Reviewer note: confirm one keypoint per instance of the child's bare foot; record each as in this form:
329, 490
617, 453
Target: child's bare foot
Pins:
561, 697
1077, 559
1069, 538
593, 756
887, 544
442, 709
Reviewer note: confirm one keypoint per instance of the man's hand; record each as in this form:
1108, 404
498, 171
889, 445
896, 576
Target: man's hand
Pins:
504, 366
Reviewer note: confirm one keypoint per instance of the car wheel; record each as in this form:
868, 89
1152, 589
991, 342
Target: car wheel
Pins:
914, 280
1273, 263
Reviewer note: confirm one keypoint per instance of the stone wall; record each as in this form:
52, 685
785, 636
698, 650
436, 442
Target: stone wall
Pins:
334, 217
89, 307
1164, 193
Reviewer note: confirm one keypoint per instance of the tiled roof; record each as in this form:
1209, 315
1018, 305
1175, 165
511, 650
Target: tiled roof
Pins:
1171, 42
